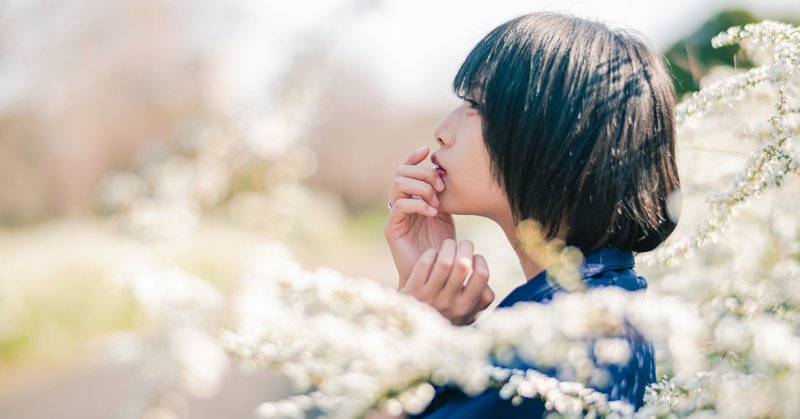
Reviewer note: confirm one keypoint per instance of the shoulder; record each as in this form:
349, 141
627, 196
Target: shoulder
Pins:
452, 403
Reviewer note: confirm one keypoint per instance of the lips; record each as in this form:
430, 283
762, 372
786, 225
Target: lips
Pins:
438, 166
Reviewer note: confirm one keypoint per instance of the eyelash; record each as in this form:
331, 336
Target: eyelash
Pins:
472, 103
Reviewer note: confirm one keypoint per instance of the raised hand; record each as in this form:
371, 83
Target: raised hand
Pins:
414, 223
438, 279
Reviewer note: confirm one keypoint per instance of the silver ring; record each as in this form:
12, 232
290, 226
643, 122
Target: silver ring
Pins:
389, 204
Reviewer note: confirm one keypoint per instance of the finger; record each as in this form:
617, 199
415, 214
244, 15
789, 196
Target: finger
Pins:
404, 187
474, 290
487, 296
417, 156
425, 174
404, 207
462, 267
421, 272
441, 269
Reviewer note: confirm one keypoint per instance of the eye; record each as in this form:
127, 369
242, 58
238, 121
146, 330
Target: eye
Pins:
471, 103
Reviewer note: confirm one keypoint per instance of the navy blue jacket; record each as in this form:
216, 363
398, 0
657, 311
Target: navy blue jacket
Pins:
604, 267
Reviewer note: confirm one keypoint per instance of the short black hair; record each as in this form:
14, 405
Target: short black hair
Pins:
579, 124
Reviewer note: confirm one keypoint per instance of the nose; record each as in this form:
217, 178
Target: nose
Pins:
443, 131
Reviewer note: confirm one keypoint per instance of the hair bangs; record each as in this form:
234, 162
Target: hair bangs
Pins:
475, 72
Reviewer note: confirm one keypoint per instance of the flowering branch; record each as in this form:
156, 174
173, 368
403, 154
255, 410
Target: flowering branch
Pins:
352, 345
778, 153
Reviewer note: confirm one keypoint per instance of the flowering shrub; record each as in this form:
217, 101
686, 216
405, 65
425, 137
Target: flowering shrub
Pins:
723, 308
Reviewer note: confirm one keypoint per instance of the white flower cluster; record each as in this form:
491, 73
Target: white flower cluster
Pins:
555, 334
354, 345
782, 38
349, 337
778, 153
183, 354
566, 398
721, 395
727, 92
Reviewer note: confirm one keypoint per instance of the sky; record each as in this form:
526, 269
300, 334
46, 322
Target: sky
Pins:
411, 49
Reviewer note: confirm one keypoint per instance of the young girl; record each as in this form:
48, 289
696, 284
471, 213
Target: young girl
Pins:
566, 122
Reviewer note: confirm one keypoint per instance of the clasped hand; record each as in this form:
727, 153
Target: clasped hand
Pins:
431, 266
453, 280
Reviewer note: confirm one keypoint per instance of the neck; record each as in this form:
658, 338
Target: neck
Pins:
529, 267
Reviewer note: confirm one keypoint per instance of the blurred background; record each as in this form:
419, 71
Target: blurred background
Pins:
192, 132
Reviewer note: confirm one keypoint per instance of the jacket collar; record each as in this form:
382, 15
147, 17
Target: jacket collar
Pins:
605, 259
541, 287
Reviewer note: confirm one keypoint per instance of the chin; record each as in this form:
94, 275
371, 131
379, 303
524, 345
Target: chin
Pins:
447, 208
455, 209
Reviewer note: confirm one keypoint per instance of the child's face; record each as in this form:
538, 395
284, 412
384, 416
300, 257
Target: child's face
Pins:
469, 185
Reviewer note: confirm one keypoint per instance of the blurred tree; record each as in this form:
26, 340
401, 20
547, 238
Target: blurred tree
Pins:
691, 57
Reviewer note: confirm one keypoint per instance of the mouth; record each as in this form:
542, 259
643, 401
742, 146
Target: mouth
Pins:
438, 166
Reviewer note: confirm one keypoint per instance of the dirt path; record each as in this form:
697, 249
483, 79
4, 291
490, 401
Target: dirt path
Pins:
89, 391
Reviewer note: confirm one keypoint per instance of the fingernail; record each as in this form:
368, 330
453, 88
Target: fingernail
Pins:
421, 148
439, 184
